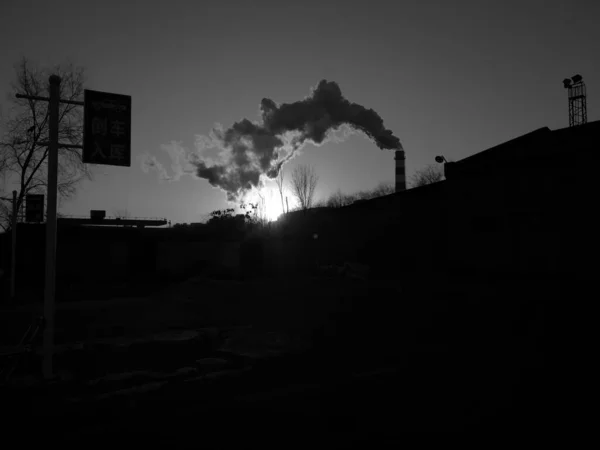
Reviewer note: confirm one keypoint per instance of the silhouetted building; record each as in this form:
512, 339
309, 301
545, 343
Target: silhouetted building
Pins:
98, 217
527, 204
525, 207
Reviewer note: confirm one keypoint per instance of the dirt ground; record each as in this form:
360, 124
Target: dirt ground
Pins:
198, 302
308, 309
452, 338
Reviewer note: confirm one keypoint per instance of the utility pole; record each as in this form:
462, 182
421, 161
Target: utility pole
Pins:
121, 146
13, 248
50, 281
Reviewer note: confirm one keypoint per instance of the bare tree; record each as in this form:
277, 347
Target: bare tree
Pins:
338, 199
304, 183
380, 190
3, 163
428, 175
383, 189
5, 212
23, 155
280, 181
121, 213
261, 210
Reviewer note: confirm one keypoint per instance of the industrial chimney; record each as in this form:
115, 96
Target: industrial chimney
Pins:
400, 171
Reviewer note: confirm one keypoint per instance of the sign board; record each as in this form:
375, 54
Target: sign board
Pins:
34, 208
107, 129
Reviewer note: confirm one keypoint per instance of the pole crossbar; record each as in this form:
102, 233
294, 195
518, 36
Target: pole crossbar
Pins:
46, 99
47, 144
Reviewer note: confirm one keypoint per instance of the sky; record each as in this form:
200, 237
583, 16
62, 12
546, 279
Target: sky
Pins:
448, 78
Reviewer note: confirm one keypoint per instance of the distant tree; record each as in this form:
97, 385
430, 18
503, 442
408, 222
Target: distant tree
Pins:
180, 226
304, 183
321, 203
280, 185
5, 212
23, 155
121, 213
383, 189
261, 210
339, 199
428, 175
250, 212
3, 162
221, 215
380, 190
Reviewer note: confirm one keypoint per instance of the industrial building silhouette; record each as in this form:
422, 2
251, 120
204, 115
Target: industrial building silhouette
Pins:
524, 207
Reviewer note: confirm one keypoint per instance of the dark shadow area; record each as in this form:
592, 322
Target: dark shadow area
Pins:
433, 309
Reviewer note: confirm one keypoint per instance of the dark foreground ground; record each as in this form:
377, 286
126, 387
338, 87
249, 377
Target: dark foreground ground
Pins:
342, 363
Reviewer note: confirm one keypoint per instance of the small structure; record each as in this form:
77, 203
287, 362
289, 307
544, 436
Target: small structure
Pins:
98, 217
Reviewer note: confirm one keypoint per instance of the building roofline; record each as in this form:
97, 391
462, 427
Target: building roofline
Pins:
539, 144
499, 151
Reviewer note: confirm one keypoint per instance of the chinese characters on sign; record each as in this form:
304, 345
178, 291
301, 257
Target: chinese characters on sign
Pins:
107, 129
34, 208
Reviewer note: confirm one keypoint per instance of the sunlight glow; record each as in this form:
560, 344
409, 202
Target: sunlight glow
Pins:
273, 209
269, 203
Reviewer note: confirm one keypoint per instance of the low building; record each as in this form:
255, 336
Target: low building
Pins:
523, 207
526, 205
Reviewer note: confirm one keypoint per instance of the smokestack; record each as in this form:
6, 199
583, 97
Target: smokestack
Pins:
400, 171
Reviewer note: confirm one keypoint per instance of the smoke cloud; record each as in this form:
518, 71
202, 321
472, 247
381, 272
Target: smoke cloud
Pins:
181, 162
248, 150
150, 163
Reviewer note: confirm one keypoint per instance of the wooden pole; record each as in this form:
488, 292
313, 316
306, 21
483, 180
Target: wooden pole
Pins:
13, 248
49, 291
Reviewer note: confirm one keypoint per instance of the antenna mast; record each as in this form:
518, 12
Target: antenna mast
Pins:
577, 100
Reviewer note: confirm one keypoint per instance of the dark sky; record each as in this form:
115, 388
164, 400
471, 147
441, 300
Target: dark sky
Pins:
450, 78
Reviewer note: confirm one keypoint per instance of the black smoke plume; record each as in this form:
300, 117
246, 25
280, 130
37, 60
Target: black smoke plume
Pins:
249, 150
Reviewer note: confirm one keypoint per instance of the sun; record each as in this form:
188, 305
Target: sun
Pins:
269, 203
272, 209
